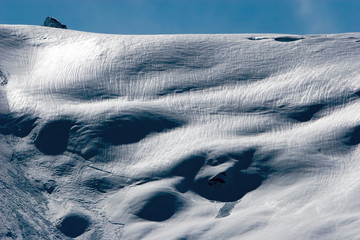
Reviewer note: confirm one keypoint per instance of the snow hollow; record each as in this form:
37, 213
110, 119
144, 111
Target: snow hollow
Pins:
244, 136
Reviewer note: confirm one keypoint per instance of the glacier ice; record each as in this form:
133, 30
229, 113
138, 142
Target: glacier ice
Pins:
178, 136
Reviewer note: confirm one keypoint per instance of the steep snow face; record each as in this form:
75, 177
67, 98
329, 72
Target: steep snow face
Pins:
178, 136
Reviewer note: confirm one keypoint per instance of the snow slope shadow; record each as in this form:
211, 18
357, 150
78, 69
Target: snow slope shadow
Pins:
131, 128
104, 184
3, 77
17, 125
87, 138
171, 57
159, 207
188, 168
226, 178
305, 113
357, 93
151, 201
287, 39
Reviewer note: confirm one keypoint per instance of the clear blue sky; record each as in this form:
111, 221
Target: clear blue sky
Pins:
189, 16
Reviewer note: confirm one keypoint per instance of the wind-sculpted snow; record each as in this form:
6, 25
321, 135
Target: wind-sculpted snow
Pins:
178, 136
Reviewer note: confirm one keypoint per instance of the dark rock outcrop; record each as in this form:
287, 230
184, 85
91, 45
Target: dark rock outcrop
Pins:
53, 22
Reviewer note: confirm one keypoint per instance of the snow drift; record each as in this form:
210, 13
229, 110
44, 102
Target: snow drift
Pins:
178, 136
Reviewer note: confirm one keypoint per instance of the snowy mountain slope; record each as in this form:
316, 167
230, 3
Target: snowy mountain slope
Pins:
178, 136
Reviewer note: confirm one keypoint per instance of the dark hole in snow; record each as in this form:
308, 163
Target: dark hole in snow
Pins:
352, 137
287, 39
53, 137
160, 207
73, 225
305, 113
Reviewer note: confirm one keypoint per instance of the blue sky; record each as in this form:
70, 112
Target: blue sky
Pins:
189, 16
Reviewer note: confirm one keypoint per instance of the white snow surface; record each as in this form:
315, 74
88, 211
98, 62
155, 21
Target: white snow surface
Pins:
241, 136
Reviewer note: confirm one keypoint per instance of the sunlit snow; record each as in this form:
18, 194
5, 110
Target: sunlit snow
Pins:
243, 136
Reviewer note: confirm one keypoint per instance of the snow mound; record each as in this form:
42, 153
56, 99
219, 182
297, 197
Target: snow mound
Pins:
178, 136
